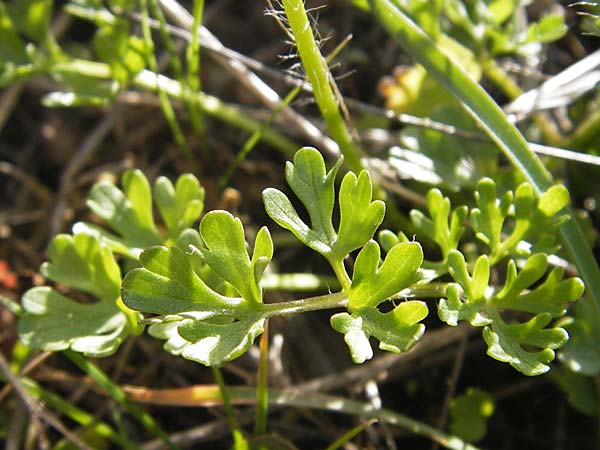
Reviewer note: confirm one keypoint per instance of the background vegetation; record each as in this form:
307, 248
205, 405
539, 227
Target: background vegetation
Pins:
227, 92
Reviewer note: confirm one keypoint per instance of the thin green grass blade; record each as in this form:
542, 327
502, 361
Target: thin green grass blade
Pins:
117, 393
255, 137
208, 104
192, 79
76, 414
493, 120
239, 441
344, 438
192, 56
165, 104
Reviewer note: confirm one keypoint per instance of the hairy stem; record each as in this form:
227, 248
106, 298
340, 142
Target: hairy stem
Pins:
320, 78
328, 301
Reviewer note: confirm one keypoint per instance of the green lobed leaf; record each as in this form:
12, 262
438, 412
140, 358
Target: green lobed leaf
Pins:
179, 206
372, 283
315, 188
212, 344
522, 291
129, 212
493, 120
198, 322
226, 253
444, 228
81, 263
52, 321
549, 28
488, 218
360, 216
397, 330
507, 343
535, 221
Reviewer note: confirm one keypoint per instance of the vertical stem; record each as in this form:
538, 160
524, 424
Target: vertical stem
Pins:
262, 391
341, 274
193, 65
165, 104
320, 78
239, 442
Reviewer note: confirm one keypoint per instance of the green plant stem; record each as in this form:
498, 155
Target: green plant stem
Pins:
168, 41
586, 134
193, 65
357, 408
262, 390
344, 438
165, 103
298, 282
76, 414
492, 119
11, 305
255, 137
210, 395
117, 393
328, 301
175, 62
239, 442
212, 106
341, 274
320, 78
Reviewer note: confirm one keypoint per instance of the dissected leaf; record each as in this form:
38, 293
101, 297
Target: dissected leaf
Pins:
52, 321
372, 284
488, 218
535, 220
359, 215
549, 28
200, 323
443, 228
214, 343
314, 186
507, 341
129, 212
179, 206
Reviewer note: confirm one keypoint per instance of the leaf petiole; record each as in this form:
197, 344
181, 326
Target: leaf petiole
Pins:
328, 301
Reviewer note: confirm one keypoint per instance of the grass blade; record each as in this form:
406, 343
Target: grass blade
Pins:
239, 442
210, 395
117, 393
